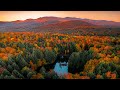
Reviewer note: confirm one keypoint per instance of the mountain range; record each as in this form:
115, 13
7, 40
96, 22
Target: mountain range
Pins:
56, 24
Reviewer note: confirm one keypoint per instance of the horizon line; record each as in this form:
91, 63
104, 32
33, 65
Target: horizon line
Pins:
60, 17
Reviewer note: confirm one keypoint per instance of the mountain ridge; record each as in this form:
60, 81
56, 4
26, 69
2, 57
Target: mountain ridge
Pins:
61, 18
56, 24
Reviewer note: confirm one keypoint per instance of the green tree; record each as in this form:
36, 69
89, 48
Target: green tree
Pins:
20, 61
41, 40
91, 75
49, 56
43, 71
1, 76
10, 60
77, 60
73, 47
9, 68
17, 74
15, 66
73, 62
104, 67
9, 77
118, 70
25, 71
2, 63
2, 45
6, 72
38, 53
30, 74
20, 45
12, 77
51, 75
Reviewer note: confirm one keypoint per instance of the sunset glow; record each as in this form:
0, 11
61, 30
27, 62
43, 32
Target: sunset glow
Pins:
96, 15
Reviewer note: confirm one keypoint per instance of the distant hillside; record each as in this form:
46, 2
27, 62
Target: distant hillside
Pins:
103, 23
62, 25
72, 24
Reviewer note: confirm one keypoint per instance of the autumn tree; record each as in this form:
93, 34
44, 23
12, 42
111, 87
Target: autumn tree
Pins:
51, 75
91, 65
102, 68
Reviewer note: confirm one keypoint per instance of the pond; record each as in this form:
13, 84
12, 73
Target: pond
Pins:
61, 68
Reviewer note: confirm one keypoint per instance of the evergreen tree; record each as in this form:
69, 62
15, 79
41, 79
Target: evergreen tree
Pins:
15, 66
43, 71
30, 74
1, 76
10, 61
25, 71
40, 40
77, 60
20, 61
10, 68
12, 77
20, 45
17, 74
9, 77
2, 45
49, 56
38, 54
6, 72
73, 47
2, 63
104, 67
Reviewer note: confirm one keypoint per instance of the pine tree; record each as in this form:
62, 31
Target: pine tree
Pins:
15, 66
6, 72
9, 68
77, 60
17, 74
20, 61
49, 56
25, 71
2, 63
30, 74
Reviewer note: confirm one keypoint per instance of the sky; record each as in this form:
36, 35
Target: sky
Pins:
95, 15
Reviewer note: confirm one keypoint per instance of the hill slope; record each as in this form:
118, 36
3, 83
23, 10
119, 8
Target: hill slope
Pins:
62, 25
